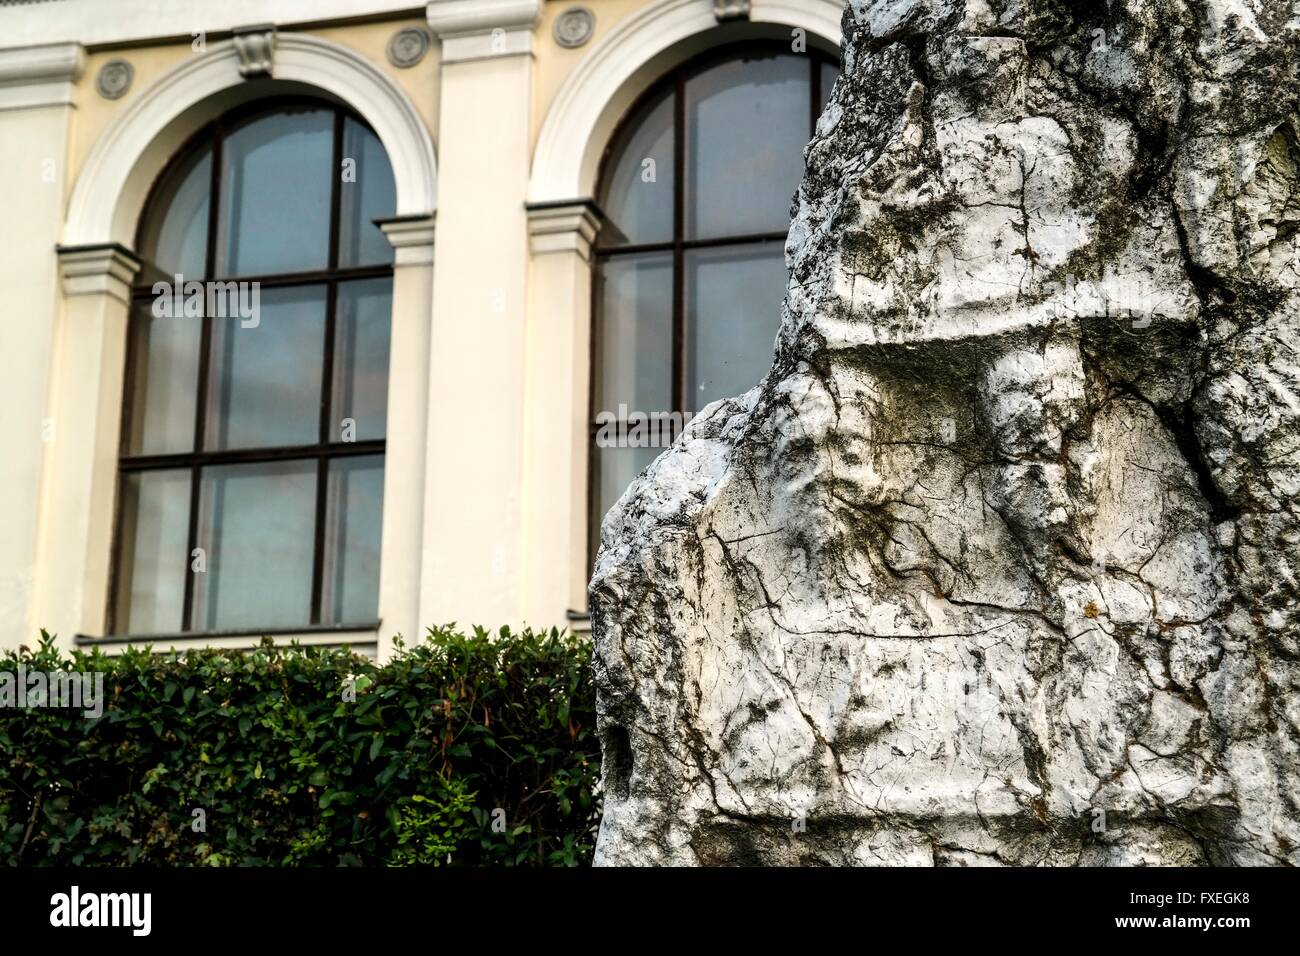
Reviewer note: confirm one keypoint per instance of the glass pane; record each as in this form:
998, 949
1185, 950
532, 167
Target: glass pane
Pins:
164, 381
746, 127
638, 190
265, 382
371, 195
257, 524
174, 237
276, 185
830, 73
354, 515
361, 337
151, 555
615, 469
733, 311
635, 359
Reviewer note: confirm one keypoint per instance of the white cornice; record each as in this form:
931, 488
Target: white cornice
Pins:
52, 61
460, 17
39, 75
563, 227
106, 268
411, 238
483, 29
109, 22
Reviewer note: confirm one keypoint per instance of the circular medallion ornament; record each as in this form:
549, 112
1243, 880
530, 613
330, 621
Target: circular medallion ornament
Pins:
408, 47
114, 79
574, 27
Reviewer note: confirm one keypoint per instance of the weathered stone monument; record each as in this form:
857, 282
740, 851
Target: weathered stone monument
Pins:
999, 563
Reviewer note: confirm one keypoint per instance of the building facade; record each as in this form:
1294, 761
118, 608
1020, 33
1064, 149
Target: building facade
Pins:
336, 319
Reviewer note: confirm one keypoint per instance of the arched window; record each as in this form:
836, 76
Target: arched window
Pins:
252, 466
696, 188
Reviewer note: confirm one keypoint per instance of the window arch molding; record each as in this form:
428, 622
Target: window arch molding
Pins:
623, 65
114, 183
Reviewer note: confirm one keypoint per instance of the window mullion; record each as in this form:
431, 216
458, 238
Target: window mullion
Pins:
331, 288
679, 229
327, 373
814, 93
204, 374
336, 191
318, 552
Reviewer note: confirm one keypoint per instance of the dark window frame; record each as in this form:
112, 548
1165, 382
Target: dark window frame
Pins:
324, 450
674, 83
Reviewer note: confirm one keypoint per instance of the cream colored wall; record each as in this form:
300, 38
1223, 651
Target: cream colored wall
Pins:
485, 510
472, 528
34, 159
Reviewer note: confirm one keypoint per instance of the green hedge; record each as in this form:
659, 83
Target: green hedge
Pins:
474, 750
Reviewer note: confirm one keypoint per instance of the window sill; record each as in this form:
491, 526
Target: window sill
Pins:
579, 621
363, 638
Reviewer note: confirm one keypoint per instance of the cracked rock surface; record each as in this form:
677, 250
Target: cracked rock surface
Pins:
999, 562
